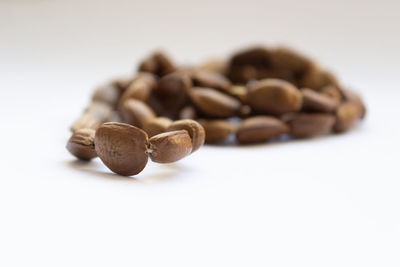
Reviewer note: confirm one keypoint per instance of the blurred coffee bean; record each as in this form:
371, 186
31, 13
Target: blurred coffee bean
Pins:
314, 101
156, 126
217, 130
213, 80
136, 113
353, 97
311, 124
158, 63
260, 129
214, 103
273, 96
347, 116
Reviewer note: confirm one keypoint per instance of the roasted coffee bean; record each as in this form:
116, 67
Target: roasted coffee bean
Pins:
122, 147
136, 113
108, 94
93, 116
214, 65
316, 79
140, 88
333, 92
81, 144
347, 115
175, 83
188, 112
260, 129
217, 130
158, 63
238, 91
310, 124
195, 130
170, 146
273, 96
249, 64
353, 97
314, 101
284, 58
213, 80
122, 83
214, 103
156, 126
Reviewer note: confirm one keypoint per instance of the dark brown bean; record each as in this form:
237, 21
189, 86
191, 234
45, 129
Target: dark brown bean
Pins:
217, 130
310, 124
158, 63
122, 147
174, 83
260, 129
195, 130
214, 103
213, 80
346, 116
273, 96
170, 146
314, 101
140, 88
136, 113
81, 144
157, 126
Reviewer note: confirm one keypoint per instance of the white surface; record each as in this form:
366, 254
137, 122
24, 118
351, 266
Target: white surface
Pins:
330, 201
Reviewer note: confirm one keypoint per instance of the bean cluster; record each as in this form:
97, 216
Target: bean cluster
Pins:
166, 111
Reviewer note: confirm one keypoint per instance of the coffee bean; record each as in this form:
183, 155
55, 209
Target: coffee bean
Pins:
122, 147
140, 88
81, 144
170, 146
108, 94
284, 58
314, 101
273, 96
93, 116
214, 103
347, 115
136, 112
217, 130
156, 126
158, 63
214, 65
260, 129
175, 83
122, 83
353, 97
310, 124
333, 92
213, 80
195, 130
188, 112
316, 78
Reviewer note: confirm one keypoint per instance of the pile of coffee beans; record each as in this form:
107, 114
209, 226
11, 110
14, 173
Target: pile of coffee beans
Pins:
166, 111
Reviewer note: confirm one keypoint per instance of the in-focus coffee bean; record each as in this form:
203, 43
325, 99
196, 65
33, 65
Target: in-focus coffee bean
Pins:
81, 144
170, 146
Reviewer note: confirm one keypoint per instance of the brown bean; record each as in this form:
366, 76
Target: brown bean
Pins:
213, 80
333, 92
170, 146
140, 88
273, 96
136, 112
316, 78
93, 116
81, 144
260, 129
156, 126
214, 65
310, 124
353, 97
315, 101
217, 130
122, 147
158, 63
195, 130
174, 83
187, 112
284, 58
108, 94
346, 116
214, 103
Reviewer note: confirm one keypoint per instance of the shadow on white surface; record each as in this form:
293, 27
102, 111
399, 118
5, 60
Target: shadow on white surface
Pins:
169, 172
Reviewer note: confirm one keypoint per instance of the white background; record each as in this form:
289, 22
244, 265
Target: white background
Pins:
329, 201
